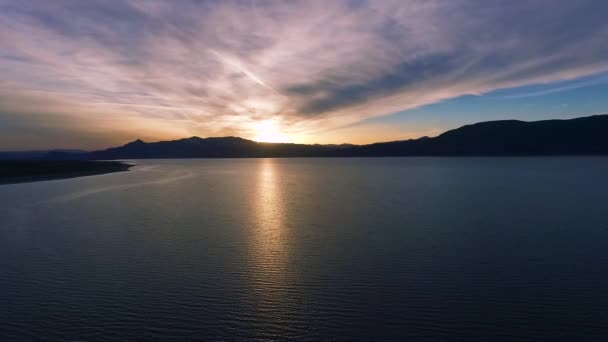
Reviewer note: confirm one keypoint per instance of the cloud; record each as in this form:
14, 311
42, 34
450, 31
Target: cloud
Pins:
205, 67
601, 79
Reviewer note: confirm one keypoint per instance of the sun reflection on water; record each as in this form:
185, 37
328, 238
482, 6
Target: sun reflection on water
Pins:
269, 239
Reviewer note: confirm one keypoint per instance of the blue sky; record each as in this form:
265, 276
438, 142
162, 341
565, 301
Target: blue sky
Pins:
91, 74
558, 100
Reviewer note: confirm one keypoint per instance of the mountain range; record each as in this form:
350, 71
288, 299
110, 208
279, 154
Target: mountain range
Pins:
580, 136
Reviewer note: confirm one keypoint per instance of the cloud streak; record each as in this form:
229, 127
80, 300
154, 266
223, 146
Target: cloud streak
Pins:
221, 67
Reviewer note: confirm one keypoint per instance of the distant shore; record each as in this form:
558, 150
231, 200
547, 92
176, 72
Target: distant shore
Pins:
25, 171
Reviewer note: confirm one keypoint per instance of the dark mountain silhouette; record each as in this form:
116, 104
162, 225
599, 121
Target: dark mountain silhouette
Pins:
224, 147
581, 136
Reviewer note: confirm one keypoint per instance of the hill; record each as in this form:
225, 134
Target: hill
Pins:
580, 136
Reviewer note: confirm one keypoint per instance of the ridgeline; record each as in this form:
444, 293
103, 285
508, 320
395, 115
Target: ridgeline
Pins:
580, 136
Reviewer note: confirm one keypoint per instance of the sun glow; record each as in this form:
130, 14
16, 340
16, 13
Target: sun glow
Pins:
267, 131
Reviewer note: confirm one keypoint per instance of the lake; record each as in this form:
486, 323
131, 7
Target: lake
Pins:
306, 249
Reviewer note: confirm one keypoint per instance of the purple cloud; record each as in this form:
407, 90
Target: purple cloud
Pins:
215, 67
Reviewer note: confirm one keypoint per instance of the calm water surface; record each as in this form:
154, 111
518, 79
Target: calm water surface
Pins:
330, 249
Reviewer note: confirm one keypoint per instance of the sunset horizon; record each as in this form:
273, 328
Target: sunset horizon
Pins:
98, 74
303, 170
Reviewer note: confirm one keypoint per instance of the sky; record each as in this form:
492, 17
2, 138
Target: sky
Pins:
94, 74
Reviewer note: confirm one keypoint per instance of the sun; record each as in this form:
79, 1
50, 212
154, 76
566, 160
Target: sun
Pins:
267, 131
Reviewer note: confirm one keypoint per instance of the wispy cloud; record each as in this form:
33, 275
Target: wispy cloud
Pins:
209, 67
561, 88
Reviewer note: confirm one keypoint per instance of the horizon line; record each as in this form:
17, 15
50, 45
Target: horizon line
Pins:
288, 143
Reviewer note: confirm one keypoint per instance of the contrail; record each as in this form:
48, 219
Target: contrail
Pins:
239, 66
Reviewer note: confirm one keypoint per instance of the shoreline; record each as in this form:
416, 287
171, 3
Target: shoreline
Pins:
29, 171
